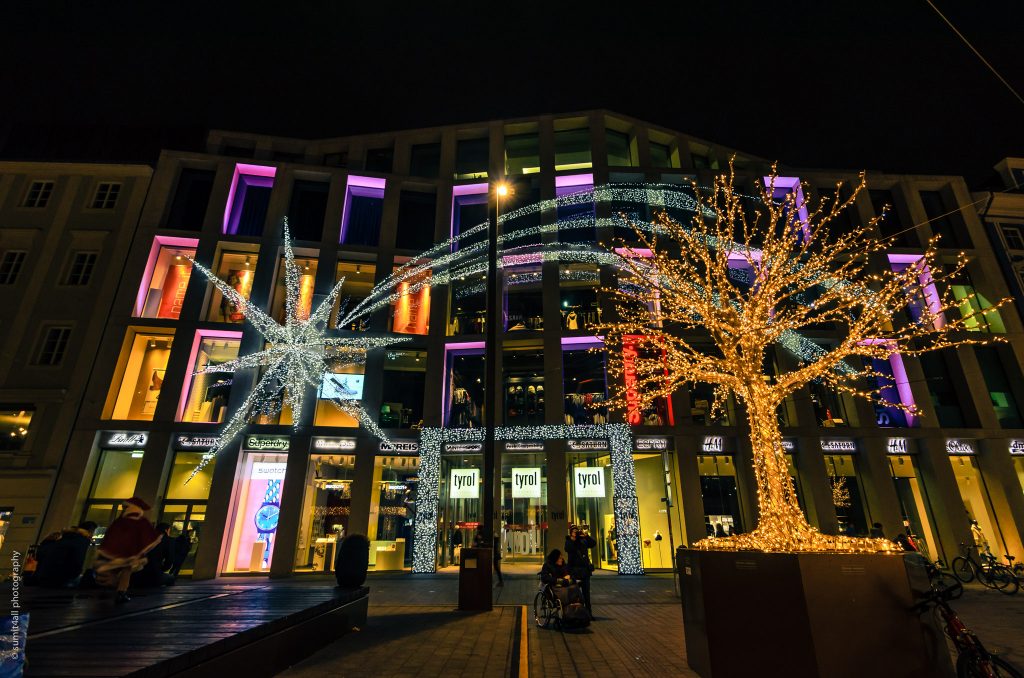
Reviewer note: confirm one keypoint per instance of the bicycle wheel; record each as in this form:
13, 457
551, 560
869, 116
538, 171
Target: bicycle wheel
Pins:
1003, 580
973, 666
963, 569
942, 581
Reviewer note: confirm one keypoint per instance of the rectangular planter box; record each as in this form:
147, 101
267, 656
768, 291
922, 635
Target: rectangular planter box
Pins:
832, 615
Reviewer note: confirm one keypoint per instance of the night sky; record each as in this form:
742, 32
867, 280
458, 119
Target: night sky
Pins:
874, 85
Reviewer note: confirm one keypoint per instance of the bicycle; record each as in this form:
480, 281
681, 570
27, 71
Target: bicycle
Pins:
972, 660
990, 573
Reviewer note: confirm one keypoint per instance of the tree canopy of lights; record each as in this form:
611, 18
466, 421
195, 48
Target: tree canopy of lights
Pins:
708, 300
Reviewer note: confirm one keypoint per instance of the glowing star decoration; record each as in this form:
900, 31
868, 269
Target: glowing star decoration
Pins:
297, 356
701, 306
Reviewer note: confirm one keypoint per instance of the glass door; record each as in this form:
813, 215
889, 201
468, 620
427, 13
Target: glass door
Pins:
590, 504
524, 508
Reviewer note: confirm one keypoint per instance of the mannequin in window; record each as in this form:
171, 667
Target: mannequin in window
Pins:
572, 321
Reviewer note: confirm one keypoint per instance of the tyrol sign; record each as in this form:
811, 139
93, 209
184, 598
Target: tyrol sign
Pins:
526, 483
589, 481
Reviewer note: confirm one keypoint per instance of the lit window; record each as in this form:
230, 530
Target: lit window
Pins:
10, 266
405, 378
572, 149
15, 422
139, 377
248, 199
362, 211
166, 277
307, 280
113, 483
237, 269
359, 279
55, 344
205, 397
80, 271
343, 382
38, 194
410, 311
106, 196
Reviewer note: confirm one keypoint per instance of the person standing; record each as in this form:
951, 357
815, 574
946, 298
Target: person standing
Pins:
124, 547
577, 548
182, 547
456, 543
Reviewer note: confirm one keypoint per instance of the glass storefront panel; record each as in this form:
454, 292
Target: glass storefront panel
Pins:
111, 485
585, 387
1018, 466
657, 519
405, 380
719, 491
987, 534
464, 379
326, 507
915, 508
523, 386
459, 504
358, 284
797, 487
410, 311
578, 285
591, 505
182, 517
165, 281
524, 508
257, 506
524, 302
307, 280
343, 382
467, 313
206, 395
185, 505
393, 512
236, 267
847, 494
143, 367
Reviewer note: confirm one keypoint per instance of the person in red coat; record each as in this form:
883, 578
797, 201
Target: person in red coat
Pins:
124, 548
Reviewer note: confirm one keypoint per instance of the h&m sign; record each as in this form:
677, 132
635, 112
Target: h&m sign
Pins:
897, 446
589, 481
713, 444
464, 483
526, 483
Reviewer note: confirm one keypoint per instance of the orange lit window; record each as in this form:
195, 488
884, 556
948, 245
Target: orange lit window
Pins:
140, 375
205, 396
237, 268
410, 312
307, 281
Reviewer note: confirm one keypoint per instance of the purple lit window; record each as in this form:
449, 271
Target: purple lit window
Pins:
927, 294
462, 392
783, 187
361, 214
469, 208
246, 209
894, 387
572, 184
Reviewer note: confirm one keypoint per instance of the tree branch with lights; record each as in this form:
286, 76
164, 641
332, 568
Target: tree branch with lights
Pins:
707, 301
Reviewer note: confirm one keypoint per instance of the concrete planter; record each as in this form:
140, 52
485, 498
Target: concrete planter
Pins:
749, 613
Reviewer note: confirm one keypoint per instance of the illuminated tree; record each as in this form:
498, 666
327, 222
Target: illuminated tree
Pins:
753, 272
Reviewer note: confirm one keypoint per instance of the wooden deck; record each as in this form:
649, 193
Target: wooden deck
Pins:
225, 627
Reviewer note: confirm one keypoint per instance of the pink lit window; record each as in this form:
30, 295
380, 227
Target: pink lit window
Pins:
246, 209
165, 280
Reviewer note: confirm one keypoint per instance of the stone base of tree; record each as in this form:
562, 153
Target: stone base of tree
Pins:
834, 615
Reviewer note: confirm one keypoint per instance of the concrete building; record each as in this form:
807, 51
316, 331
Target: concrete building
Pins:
65, 232
278, 500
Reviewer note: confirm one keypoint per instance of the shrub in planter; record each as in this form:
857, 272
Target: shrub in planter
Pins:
352, 561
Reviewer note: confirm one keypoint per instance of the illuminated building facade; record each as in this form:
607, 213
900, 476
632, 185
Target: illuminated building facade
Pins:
359, 207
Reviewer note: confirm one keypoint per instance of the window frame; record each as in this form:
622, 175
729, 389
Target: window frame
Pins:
87, 271
10, 277
43, 341
46, 186
106, 202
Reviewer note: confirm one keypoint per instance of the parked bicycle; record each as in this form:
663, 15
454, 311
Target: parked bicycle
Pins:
988, 571
972, 660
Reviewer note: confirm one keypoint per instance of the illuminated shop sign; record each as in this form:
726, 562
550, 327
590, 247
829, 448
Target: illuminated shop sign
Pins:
464, 483
588, 444
589, 481
334, 444
526, 483
652, 444
464, 447
125, 439
897, 446
187, 442
789, 444
713, 444
524, 446
259, 443
268, 470
838, 445
629, 355
959, 446
399, 446
1017, 446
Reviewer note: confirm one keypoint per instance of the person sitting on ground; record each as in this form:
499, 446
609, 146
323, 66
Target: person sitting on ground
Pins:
124, 547
60, 560
158, 560
876, 530
555, 570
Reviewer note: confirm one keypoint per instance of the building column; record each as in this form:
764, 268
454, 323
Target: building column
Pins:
558, 500
362, 490
688, 475
148, 485
814, 480
290, 518
882, 500
1005, 492
952, 526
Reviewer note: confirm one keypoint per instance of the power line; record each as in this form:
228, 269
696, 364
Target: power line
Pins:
976, 52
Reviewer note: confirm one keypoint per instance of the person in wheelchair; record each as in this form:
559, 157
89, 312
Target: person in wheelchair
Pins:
560, 599
555, 570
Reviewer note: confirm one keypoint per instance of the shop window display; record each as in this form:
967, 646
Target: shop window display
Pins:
702, 397
139, 378
847, 494
524, 302
359, 278
111, 485
342, 382
393, 512
459, 504
578, 285
585, 387
832, 409
257, 506
658, 519
307, 283
237, 268
185, 504
205, 397
914, 505
14, 426
410, 312
988, 536
464, 377
467, 313
591, 503
326, 508
165, 281
889, 390
523, 386
659, 411
405, 380
719, 491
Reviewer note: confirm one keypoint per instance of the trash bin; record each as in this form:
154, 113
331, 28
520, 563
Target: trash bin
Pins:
475, 579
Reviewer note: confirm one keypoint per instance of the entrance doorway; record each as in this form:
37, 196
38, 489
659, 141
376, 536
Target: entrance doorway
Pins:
524, 507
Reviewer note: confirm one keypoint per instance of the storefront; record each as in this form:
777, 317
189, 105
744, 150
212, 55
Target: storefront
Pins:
970, 481
326, 503
1017, 457
256, 504
186, 496
719, 487
847, 487
658, 500
393, 507
915, 507
111, 481
591, 506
